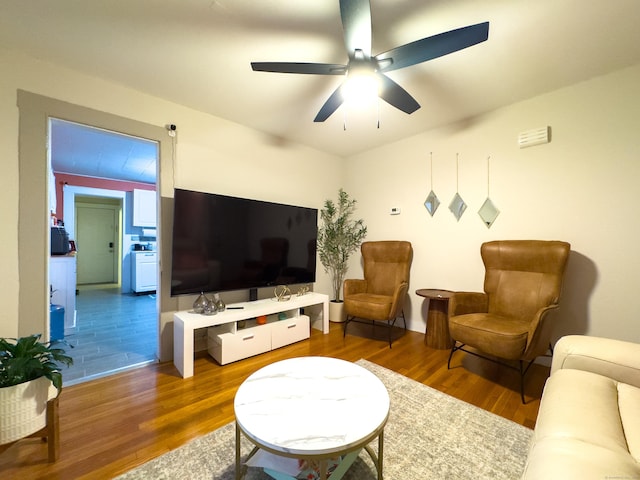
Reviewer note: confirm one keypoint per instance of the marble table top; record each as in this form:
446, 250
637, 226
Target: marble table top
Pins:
311, 406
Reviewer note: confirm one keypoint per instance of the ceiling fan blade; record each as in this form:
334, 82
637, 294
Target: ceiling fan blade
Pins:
331, 105
395, 95
432, 47
297, 67
356, 23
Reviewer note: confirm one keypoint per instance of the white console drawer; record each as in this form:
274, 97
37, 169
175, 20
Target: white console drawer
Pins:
291, 330
230, 347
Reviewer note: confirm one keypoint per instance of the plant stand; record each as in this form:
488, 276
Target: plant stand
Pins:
23, 416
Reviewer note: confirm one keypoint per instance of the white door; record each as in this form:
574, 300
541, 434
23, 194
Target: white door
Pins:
97, 243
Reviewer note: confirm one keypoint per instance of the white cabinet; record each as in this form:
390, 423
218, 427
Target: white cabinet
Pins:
144, 271
229, 346
62, 278
144, 208
228, 342
291, 330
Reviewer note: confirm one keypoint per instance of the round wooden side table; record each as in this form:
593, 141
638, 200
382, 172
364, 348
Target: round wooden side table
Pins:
437, 333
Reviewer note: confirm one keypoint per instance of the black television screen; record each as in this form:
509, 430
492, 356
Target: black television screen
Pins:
223, 243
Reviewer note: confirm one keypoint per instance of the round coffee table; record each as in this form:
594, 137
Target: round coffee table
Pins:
314, 409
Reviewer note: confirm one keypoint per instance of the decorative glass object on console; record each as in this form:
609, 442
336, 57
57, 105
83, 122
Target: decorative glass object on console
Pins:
211, 308
457, 205
220, 305
200, 303
432, 202
488, 211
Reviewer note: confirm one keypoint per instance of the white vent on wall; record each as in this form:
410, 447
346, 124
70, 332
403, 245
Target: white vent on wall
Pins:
537, 136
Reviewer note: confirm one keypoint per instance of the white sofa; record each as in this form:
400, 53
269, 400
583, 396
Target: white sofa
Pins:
588, 425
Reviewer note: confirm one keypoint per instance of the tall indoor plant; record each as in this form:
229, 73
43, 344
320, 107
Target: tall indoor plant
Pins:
338, 237
29, 377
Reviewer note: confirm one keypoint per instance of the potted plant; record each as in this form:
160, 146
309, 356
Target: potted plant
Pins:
29, 377
338, 237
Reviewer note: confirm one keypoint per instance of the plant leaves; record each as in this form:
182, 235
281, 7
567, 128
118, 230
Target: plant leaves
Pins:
26, 358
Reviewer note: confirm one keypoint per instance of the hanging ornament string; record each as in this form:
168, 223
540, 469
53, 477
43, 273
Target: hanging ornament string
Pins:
431, 170
457, 173
488, 169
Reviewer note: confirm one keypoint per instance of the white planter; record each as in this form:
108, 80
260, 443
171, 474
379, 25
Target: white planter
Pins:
23, 408
336, 312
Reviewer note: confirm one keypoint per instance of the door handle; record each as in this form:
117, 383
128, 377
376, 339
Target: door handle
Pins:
110, 244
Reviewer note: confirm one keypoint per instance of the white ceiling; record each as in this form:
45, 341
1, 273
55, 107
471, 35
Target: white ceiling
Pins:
198, 53
91, 152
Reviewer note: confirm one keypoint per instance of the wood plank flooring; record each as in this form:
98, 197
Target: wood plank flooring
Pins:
113, 424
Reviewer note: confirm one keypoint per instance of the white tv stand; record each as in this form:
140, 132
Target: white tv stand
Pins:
186, 322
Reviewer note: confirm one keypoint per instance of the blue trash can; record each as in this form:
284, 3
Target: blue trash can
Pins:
56, 323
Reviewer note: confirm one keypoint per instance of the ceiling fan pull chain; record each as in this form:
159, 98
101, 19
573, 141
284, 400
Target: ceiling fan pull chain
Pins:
378, 111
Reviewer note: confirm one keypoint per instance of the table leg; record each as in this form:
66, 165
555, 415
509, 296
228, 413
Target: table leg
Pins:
437, 334
238, 466
183, 348
377, 459
380, 453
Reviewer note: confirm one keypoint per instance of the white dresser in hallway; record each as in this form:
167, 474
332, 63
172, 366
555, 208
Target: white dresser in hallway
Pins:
62, 278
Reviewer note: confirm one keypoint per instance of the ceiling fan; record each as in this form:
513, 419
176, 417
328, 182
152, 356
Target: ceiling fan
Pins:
356, 23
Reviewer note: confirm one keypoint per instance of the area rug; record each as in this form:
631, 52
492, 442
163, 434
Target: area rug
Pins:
429, 435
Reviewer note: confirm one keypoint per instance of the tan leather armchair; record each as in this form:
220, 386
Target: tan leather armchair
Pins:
380, 296
509, 320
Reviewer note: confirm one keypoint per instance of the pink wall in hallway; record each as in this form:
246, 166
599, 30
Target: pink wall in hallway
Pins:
92, 182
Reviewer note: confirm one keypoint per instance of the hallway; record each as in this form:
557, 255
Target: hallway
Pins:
113, 332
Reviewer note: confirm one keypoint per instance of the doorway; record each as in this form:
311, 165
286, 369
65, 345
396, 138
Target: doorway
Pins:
114, 328
35, 191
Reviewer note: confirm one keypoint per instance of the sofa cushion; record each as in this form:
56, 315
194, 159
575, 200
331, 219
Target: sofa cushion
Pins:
588, 427
629, 403
569, 459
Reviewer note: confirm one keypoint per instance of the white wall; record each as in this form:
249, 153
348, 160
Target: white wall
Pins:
582, 187
211, 154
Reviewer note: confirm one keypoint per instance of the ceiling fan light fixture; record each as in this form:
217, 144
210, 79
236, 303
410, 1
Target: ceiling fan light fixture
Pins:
361, 89
366, 78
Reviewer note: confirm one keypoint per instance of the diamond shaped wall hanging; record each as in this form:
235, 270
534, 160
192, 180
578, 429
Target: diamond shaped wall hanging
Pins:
432, 202
457, 205
488, 211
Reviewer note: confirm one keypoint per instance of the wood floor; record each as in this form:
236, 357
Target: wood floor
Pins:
113, 424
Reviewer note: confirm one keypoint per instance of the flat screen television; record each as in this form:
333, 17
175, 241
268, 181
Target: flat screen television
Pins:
223, 243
